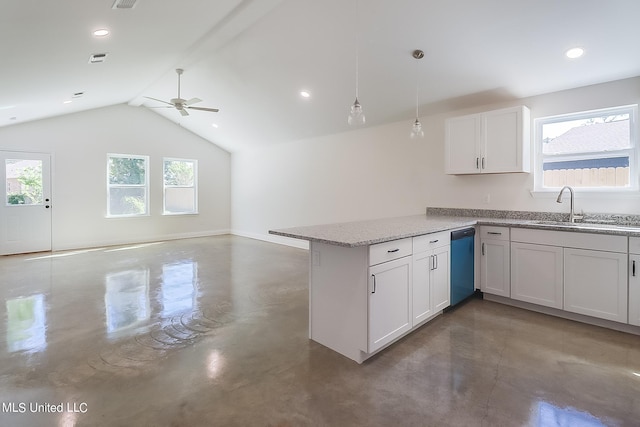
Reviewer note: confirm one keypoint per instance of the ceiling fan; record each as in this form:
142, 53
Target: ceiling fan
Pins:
182, 104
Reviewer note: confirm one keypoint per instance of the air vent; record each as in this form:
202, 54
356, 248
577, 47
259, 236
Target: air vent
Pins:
77, 95
97, 57
124, 4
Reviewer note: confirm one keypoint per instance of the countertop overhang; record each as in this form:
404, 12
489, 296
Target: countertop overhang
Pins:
364, 233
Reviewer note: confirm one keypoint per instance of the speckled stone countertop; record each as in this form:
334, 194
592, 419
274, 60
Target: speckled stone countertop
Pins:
363, 233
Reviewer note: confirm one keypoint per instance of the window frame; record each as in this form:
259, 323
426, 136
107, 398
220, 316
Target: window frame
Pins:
633, 152
145, 186
194, 186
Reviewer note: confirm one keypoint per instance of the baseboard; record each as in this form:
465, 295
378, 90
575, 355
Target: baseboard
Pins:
148, 239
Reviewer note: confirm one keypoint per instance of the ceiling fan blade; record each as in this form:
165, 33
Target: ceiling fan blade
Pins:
213, 110
184, 112
193, 101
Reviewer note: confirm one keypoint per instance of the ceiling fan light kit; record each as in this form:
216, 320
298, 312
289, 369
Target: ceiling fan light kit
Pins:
182, 105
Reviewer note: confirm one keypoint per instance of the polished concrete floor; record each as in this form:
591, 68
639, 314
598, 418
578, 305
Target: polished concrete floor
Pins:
213, 332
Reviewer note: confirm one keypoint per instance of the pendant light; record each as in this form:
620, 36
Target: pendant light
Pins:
416, 129
356, 115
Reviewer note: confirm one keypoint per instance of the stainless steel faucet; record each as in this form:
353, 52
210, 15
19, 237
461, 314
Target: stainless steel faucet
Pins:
572, 216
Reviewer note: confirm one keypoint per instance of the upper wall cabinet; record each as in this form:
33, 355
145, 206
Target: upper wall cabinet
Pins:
490, 142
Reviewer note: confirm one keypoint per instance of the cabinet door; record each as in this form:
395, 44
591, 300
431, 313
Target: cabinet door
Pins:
422, 303
389, 299
440, 279
494, 267
462, 146
595, 283
536, 274
634, 289
503, 141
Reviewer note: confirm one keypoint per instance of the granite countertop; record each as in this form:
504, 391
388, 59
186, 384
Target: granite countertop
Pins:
364, 233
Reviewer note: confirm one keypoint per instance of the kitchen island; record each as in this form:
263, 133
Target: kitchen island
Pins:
372, 282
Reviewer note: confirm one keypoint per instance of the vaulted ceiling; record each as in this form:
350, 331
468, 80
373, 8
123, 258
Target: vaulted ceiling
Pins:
251, 58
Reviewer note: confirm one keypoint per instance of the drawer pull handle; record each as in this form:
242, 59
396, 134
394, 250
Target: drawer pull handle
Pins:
495, 233
434, 241
393, 250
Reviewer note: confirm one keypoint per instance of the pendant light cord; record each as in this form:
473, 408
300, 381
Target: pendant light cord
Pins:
357, 48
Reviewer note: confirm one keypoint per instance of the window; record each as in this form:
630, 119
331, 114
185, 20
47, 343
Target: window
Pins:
180, 186
594, 150
24, 181
127, 185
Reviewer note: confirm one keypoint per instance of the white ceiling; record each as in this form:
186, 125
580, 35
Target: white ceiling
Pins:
250, 58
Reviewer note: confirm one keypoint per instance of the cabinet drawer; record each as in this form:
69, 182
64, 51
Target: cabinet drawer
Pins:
494, 233
430, 241
388, 251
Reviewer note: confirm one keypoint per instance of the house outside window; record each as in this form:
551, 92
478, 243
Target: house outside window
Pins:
127, 185
180, 186
593, 150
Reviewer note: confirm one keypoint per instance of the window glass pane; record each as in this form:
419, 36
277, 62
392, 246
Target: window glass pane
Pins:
178, 173
126, 171
24, 182
179, 200
127, 201
590, 150
587, 135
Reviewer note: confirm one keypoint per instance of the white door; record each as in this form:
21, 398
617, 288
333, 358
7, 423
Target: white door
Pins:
440, 280
595, 283
536, 274
634, 289
25, 202
494, 268
389, 301
422, 306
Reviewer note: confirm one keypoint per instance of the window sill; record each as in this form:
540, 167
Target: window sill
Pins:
179, 213
127, 216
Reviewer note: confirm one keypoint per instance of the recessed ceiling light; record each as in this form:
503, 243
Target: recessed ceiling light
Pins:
305, 94
214, 125
574, 53
68, 101
101, 32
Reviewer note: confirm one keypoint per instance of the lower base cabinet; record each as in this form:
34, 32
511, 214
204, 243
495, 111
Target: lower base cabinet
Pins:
595, 283
634, 281
536, 274
389, 301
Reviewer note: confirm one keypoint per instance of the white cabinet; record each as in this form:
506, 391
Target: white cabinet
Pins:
491, 142
634, 281
494, 260
536, 274
431, 279
595, 283
389, 302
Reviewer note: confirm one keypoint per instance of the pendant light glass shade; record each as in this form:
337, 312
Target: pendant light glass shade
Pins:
356, 115
416, 129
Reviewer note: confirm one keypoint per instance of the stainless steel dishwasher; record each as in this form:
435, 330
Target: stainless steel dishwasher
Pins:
462, 264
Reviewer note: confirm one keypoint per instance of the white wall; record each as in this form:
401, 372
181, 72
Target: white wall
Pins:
79, 144
365, 174
380, 172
